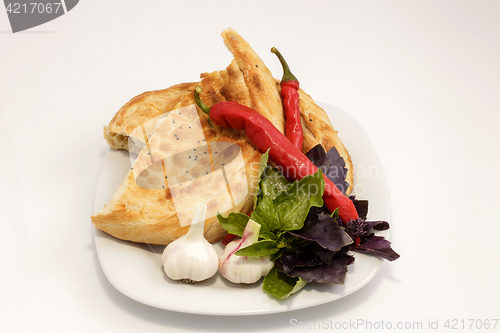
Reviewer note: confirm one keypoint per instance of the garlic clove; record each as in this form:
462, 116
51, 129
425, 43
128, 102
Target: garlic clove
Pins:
191, 258
241, 269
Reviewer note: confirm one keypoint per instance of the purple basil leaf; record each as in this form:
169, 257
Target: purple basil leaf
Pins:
378, 225
331, 164
337, 171
323, 230
324, 254
379, 246
361, 207
317, 211
343, 251
317, 156
291, 260
333, 273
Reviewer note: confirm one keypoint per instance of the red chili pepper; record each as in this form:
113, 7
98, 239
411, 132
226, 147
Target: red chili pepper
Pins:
265, 136
228, 238
291, 109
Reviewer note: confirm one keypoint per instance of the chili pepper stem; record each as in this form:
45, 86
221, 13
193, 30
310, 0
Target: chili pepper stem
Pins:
197, 91
287, 74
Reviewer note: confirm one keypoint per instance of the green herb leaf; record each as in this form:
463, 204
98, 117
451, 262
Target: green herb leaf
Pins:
263, 163
281, 285
289, 208
292, 205
260, 249
276, 256
292, 243
272, 183
266, 216
335, 214
267, 235
234, 223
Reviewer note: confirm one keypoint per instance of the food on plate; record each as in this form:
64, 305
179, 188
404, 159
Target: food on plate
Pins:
191, 258
142, 209
259, 160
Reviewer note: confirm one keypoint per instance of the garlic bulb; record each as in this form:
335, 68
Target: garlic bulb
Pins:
191, 258
241, 269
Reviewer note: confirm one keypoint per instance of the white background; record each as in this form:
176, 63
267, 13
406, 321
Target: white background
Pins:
422, 78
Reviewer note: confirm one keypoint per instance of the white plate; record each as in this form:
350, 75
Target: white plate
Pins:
136, 269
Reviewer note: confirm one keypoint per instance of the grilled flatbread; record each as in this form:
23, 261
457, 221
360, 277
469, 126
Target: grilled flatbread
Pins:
167, 132
154, 202
259, 80
138, 111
